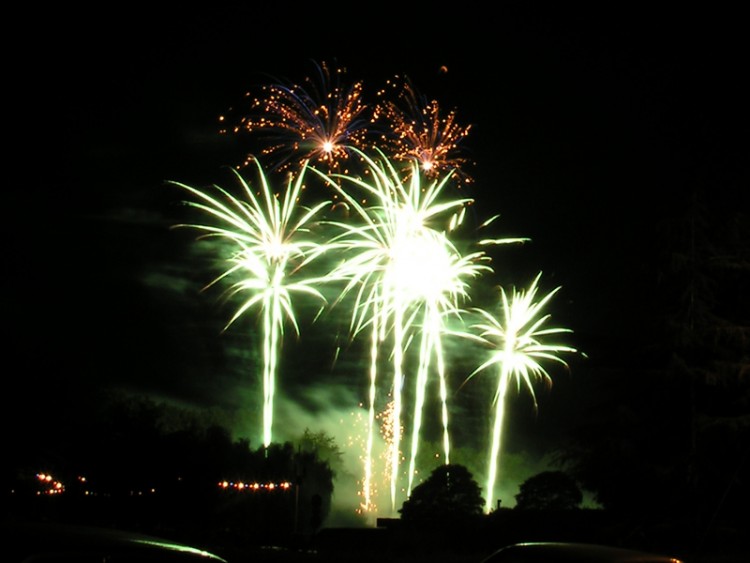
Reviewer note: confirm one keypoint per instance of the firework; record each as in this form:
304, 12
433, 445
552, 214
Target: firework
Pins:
416, 128
400, 261
402, 271
517, 343
272, 248
444, 274
318, 121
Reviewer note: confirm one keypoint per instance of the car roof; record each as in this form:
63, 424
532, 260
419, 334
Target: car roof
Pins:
53, 542
564, 552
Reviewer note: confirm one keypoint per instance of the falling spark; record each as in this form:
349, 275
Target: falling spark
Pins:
273, 245
517, 342
356, 440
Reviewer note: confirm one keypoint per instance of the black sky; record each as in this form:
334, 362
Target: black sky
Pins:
588, 128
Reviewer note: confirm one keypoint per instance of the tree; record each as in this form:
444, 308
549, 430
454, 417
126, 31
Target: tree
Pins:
549, 490
324, 447
707, 349
450, 492
682, 446
319, 461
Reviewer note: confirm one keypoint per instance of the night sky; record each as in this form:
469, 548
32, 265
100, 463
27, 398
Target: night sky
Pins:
589, 129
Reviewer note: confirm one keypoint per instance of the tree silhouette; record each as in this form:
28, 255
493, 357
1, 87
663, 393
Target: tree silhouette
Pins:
450, 492
703, 287
549, 490
682, 446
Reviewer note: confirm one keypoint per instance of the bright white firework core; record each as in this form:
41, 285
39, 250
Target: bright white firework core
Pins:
419, 267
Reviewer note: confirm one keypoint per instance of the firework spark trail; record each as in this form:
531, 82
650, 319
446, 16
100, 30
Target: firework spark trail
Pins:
422, 373
318, 122
437, 276
445, 275
517, 347
418, 129
272, 246
371, 420
398, 385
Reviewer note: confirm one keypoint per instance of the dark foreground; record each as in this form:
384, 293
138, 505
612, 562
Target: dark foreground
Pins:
260, 535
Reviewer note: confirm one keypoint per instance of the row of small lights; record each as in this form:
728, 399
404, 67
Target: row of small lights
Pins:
252, 487
55, 487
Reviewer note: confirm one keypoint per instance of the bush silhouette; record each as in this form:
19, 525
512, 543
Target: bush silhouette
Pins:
450, 492
549, 490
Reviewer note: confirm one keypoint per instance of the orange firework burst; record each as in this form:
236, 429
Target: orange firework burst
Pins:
318, 122
416, 128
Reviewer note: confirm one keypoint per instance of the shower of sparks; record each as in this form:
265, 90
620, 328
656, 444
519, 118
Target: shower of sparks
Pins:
357, 439
517, 343
318, 121
418, 129
272, 245
399, 260
390, 428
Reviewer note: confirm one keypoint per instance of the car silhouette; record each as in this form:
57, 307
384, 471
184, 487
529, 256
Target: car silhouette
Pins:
46, 542
567, 552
